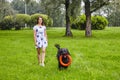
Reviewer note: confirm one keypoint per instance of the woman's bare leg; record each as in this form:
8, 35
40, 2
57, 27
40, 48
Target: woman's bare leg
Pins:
43, 55
39, 56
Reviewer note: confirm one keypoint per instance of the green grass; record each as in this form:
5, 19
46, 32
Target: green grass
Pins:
94, 58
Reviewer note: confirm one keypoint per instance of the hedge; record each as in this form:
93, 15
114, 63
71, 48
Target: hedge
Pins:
7, 23
18, 21
97, 22
47, 20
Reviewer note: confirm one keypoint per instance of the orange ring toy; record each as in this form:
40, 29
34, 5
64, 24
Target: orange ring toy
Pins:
65, 64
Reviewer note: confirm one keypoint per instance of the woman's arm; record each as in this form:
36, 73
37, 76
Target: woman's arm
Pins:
34, 37
45, 34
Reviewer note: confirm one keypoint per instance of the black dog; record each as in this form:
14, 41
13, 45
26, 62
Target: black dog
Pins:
63, 56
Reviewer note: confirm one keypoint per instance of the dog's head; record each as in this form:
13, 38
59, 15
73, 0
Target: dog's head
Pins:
63, 51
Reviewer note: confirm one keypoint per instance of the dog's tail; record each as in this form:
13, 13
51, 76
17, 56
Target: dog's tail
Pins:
57, 46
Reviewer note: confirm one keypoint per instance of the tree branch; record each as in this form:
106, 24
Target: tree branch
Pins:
98, 7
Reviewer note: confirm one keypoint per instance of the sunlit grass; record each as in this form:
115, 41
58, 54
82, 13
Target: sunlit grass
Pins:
94, 58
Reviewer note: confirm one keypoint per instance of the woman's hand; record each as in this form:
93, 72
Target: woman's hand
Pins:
35, 44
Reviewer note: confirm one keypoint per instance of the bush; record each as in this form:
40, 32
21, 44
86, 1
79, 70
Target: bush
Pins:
98, 22
48, 21
74, 23
7, 23
79, 23
21, 20
17, 21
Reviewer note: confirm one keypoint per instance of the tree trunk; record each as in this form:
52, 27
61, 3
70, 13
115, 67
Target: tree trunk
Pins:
68, 29
88, 31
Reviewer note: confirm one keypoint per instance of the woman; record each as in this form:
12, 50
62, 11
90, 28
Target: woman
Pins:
40, 39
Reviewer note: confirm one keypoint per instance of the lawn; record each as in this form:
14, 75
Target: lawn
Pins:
93, 58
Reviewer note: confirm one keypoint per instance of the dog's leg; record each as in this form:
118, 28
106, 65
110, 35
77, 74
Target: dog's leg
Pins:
59, 66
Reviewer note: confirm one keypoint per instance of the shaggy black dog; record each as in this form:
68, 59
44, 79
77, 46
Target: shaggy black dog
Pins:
63, 56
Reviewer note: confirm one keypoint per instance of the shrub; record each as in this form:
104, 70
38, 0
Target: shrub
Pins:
21, 20
74, 23
17, 21
97, 22
7, 23
48, 21
79, 22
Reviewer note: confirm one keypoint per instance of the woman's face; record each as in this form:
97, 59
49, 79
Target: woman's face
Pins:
40, 20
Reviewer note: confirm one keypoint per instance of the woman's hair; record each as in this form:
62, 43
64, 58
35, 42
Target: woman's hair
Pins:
42, 20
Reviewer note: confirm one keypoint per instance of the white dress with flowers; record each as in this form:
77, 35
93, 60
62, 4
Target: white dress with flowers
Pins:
40, 36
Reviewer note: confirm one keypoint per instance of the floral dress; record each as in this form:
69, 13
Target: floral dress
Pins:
41, 40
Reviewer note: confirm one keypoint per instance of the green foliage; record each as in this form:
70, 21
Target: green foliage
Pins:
114, 13
31, 5
21, 20
114, 20
96, 4
50, 22
54, 9
5, 9
47, 20
57, 10
98, 22
18, 21
7, 23
18, 5
75, 8
79, 22
27, 1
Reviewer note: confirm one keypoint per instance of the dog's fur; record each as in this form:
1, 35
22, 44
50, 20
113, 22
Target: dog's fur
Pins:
62, 51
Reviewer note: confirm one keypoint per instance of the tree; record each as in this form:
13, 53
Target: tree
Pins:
26, 3
5, 9
114, 11
56, 10
88, 18
32, 7
111, 12
18, 5
90, 7
68, 31
53, 5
